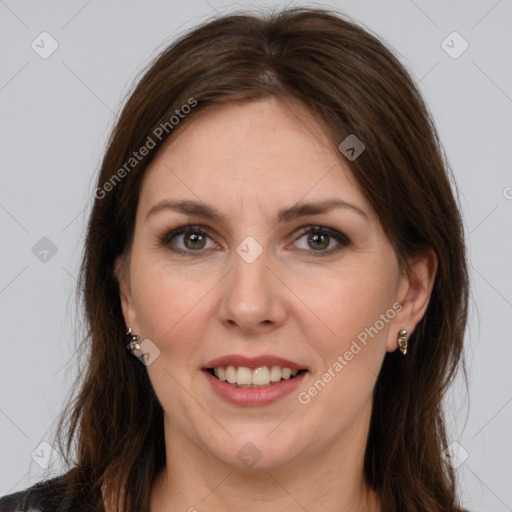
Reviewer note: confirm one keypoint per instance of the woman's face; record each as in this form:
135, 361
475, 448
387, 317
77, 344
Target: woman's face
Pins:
255, 280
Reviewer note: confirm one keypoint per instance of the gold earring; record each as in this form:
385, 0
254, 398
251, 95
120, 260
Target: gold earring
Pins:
402, 340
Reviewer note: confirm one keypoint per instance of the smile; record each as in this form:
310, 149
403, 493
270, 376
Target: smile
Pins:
262, 376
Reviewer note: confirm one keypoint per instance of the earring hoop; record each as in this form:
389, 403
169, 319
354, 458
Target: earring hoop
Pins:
402, 341
132, 340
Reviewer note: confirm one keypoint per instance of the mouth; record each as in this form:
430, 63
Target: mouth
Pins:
259, 377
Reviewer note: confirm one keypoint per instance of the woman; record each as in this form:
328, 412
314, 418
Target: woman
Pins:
275, 282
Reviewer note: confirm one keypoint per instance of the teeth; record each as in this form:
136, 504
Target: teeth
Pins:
275, 374
260, 376
286, 373
231, 374
242, 376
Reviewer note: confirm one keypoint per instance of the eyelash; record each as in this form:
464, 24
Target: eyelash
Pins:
342, 239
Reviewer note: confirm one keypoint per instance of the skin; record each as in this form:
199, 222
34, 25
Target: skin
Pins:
249, 160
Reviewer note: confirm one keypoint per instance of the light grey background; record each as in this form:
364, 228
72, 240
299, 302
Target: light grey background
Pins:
56, 114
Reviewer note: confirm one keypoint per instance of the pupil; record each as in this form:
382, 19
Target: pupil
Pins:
197, 241
318, 237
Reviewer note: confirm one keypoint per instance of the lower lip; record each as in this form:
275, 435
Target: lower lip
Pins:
253, 397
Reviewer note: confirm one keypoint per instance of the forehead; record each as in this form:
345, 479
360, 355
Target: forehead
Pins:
258, 151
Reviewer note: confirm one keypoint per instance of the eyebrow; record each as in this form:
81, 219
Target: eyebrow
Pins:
284, 215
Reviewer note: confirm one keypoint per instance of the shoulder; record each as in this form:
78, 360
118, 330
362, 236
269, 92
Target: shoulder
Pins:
47, 496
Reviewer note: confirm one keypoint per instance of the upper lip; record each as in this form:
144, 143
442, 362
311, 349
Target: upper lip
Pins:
253, 362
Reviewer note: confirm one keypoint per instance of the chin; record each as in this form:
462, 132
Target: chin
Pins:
258, 451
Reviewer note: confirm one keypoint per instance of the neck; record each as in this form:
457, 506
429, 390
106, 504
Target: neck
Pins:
331, 478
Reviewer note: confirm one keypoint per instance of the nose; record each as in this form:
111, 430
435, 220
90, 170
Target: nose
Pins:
253, 296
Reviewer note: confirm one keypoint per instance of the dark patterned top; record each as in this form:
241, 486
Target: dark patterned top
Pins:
48, 496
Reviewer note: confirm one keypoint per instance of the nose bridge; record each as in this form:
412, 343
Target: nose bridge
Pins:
249, 279
252, 294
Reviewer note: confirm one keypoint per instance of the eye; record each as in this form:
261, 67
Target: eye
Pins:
192, 239
322, 240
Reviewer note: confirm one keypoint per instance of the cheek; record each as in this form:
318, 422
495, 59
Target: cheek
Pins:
348, 300
171, 312
169, 302
355, 310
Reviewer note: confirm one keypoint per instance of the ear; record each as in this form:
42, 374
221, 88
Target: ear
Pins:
414, 291
122, 273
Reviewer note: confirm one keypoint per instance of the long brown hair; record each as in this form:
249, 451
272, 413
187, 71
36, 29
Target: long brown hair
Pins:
113, 430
